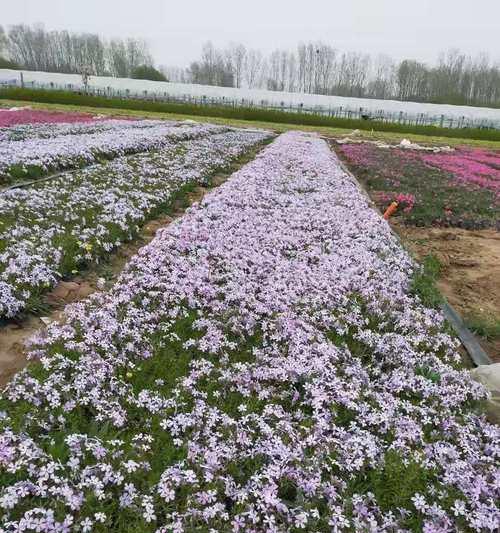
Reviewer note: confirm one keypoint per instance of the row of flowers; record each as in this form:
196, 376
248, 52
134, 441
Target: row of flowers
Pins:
470, 167
260, 366
25, 115
47, 131
50, 229
37, 156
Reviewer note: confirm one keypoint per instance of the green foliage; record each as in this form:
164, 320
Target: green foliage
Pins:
240, 113
484, 326
394, 484
5, 63
146, 72
423, 283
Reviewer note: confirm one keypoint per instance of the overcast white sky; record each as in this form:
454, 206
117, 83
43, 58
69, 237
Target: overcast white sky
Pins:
176, 29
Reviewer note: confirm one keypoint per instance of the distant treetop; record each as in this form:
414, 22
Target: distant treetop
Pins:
146, 72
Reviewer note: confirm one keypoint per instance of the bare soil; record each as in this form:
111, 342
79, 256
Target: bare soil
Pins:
470, 279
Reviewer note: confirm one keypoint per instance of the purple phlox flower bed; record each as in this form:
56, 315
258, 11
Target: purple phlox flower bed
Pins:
260, 366
45, 131
52, 229
35, 156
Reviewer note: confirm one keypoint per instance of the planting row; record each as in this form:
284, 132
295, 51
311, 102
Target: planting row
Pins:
50, 229
46, 131
260, 366
460, 188
26, 115
34, 157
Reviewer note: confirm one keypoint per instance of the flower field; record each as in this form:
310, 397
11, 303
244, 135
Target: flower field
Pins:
460, 188
261, 365
46, 131
51, 229
12, 117
35, 156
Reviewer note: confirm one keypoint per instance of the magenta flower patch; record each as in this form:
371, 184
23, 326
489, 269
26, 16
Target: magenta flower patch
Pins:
459, 188
35, 116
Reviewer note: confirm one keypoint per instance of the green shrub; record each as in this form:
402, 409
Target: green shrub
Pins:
145, 72
487, 327
5, 63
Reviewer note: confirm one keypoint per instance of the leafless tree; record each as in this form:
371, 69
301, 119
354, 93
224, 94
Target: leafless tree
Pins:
212, 69
314, 67
254, 65
236, 56
383, 79
60, 51
3, 42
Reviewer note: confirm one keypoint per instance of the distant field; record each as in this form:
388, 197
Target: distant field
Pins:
460, 188
328, 131
241, 113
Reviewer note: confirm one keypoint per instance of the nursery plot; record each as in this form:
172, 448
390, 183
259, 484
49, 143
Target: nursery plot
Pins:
34, 157
47, 131
51, 229
449, 214
26, 115
261, 365
460, 188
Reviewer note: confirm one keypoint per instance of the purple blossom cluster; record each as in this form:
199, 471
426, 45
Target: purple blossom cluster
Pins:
260, 366
20, 157
51, 228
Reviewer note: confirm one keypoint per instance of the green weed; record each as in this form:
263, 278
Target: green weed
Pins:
423, 283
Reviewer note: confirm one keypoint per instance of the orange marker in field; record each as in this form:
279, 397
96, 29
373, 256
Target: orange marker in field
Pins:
390, 210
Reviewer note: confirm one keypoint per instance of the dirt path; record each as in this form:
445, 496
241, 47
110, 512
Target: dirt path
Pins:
470, 279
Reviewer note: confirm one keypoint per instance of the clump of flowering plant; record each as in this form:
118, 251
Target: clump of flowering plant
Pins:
34, 156
12, 117
459, 188
52, 229
405, 202
260, 366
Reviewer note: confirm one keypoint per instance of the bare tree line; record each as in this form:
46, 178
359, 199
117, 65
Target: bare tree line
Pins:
313, 67
319, 68
34, 48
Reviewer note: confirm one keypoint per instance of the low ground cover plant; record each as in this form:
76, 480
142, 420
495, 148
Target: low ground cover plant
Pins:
52, 229
10, 118
34, 156
262, 365
47, 131
460, 188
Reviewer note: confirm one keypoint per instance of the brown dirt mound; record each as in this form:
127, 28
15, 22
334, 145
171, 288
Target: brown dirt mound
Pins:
470, 279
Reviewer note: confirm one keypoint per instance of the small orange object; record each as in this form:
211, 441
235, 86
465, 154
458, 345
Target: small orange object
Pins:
391, 210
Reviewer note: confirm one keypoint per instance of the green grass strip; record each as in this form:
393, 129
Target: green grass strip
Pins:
242, 113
